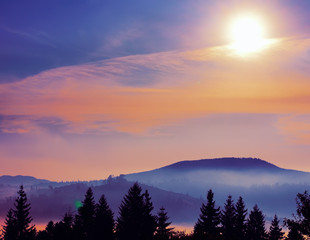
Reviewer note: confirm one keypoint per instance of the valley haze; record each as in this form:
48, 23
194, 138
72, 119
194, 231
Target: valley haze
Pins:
180, 187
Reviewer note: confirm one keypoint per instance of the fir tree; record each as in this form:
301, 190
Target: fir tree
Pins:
48, 233
64, 229
150, 222
9, 229
303, 212
85, 219
256, 225
163, 232
294, 233
275, 232
228, 219
104, 222
240, 220
18, 221
131, 223
207, 226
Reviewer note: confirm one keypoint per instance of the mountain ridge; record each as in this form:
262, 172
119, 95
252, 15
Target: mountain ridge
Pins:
183, 183
224, 163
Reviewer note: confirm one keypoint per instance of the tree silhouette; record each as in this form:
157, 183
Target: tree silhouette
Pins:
275, 232
149, 220
294, 233
18, 220
302, 220
207, 226
256, 225
134, 215
9, 229
228, 219
104, 221
48, 233
64, 229
163, 232
240, 220
85, 219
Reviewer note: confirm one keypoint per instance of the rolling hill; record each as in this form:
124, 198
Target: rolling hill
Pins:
180, 187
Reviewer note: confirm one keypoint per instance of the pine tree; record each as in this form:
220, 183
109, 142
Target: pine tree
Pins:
207, 226
150, 222
85, 219
18, 220
294, 233
48, 233
9, 229
275, 232
256, 225
163, 232
132, 216
104, 222
228, 219
301, 224
63, 230
240, 221
303, 212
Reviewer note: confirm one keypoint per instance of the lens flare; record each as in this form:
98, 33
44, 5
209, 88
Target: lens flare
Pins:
248, 34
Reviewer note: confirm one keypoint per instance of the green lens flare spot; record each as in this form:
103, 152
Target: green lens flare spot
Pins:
78, 204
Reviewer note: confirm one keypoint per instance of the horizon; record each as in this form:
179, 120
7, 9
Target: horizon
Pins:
148, 170
91, 89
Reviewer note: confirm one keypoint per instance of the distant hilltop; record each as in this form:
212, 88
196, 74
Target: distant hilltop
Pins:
224, 163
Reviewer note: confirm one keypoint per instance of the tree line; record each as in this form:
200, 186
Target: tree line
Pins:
136, 221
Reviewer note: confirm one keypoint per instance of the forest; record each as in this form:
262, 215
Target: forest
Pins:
136, 221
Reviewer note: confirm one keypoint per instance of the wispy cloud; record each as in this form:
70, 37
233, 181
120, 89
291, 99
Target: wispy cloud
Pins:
296, 128
134, 93
39, 37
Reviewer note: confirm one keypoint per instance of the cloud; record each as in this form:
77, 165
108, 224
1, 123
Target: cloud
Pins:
39, 37
296, 128
135, 93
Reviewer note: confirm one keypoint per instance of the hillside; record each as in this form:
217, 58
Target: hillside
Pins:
258, 181
180, 188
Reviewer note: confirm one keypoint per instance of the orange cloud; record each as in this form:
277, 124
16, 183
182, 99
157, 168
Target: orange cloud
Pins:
133, 94
296, 128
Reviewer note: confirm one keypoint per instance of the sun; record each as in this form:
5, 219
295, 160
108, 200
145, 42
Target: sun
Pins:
247, 34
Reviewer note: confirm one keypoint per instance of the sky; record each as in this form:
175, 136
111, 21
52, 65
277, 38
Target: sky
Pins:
93, 88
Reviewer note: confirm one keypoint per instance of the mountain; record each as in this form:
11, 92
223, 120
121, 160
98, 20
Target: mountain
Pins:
180, 187
242, 172
273, 188
236, 164
53, 202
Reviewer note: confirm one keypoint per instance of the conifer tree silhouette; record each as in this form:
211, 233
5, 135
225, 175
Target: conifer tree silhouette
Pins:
294, 233
207, 226
240, 221
132, 216
48, 233
228, 219
85, 219
9, 229
104, 222
301, 222
150, 222
256, 225
163, 232
18, 222
275, 232
64, 229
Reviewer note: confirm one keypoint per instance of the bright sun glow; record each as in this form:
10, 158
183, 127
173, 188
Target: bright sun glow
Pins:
248, 35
